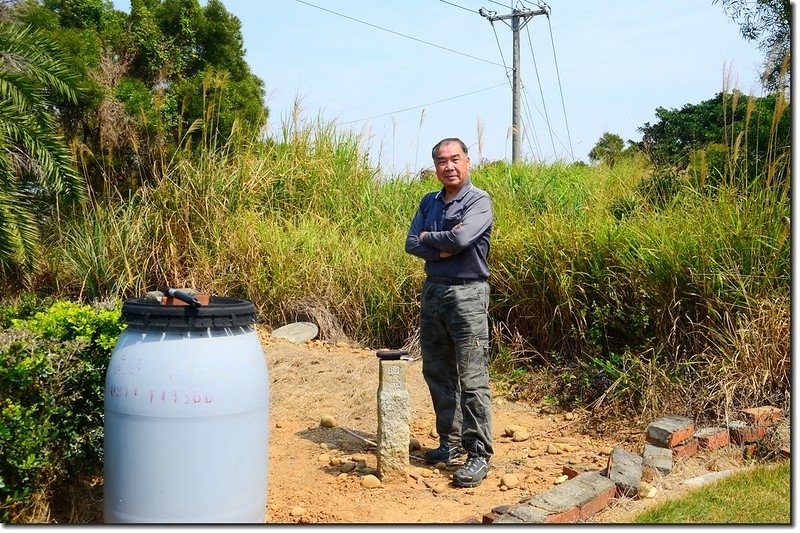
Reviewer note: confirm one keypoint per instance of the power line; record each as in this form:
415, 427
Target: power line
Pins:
400, 34
462, 7
420, 106
541, 93
502, 5
558, 75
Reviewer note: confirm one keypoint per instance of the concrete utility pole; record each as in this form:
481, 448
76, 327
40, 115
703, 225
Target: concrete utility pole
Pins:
516, 25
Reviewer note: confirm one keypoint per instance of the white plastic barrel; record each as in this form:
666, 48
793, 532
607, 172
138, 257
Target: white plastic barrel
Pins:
186, 415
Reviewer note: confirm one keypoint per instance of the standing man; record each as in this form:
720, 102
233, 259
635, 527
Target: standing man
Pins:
450, 231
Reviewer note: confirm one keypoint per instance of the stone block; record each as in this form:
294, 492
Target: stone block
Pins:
393, 421
670, 431
763, 416
625, 470
685, 450
657, 457
712, 438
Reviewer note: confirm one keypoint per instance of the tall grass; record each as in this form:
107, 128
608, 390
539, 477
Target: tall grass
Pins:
615, 282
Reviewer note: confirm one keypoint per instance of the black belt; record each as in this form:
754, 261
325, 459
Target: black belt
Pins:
454, 281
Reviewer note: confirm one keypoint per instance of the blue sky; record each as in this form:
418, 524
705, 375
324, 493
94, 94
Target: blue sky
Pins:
612, 64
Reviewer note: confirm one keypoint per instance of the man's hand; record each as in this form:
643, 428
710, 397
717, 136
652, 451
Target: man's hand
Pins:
442, 254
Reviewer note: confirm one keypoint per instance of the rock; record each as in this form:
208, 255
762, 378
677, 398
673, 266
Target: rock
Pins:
647, 491
509, 480
368, 471
297, 511
521, 436
335, 461
441, 466
414, 445
569, 416
440, 488
552, 449
423, 472
349, 466
328, 421
561, 479
342, 344
298, 332
510, 430
532, 453
324, 458
370, 482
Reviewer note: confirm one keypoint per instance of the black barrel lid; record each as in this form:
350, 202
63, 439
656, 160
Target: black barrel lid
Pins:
220, 312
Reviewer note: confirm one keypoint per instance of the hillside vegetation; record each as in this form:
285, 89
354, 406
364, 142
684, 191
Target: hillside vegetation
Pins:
614, 281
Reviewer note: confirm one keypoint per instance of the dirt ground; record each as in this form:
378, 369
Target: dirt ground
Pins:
306, 485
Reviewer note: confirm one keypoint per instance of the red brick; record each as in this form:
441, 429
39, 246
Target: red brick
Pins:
713, 438
684, 451
589, 509
489, 518
567, 517
670, 431
749, 451
573, 469
747, 434
763, 416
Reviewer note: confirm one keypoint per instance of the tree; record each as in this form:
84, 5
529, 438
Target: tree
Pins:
755, 130
153, 75
769, 23
36, 168
608, 149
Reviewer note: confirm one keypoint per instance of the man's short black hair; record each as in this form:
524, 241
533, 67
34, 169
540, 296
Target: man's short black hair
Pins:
448, 141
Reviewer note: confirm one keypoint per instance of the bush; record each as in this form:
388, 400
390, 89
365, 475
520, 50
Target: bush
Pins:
52, 369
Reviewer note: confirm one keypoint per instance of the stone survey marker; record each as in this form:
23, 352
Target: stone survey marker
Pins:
393, 417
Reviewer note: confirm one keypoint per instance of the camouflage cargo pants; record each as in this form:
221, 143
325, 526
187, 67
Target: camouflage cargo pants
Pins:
454, 338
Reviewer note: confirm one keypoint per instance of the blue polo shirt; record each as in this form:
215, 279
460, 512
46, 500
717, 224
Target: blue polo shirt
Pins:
469, 242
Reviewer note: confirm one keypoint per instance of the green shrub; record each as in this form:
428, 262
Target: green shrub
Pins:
52, 368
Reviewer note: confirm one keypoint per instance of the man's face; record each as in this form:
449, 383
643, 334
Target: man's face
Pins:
452, 166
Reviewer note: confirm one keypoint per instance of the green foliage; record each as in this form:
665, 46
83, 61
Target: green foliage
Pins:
769, 23
608, 149
36, 167
168, 76
755, 130
52, 369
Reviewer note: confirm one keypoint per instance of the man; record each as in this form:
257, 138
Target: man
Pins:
450, 231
